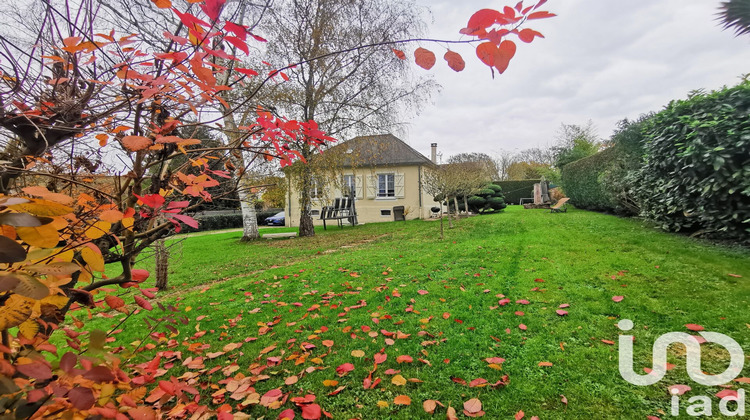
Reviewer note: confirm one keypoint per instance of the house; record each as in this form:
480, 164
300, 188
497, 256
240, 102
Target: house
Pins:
384, 172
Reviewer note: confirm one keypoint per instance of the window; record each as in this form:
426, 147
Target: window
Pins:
349, 184
386, 185
314, 212
385, 212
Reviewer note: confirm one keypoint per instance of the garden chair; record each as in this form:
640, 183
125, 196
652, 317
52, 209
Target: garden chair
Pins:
560, 206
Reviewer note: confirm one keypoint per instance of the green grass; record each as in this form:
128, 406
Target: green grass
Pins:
307, 285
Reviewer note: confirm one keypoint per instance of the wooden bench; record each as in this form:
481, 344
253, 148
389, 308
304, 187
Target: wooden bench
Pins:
342, 209
560, 206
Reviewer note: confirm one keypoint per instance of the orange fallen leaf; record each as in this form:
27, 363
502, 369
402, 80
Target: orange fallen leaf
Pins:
402, 400
545, 364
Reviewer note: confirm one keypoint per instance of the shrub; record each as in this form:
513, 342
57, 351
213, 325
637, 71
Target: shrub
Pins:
488, 199
581, 181
697, 172
514, 191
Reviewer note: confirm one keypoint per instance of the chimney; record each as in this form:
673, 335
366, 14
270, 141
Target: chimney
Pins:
433, 154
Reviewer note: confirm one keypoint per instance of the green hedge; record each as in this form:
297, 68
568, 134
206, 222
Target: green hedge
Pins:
582, 181
514, 191
697, 171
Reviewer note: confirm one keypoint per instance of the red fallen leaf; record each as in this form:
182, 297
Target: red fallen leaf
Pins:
459, 321
458, 380
561, 312
337, 391
522, 302
679, 389
503, 302
344, 369
404, 359
545, 364
287, 414
652, 418
455, 62
422, 292
424, 58
82, 398
519, 313
400, 54
311, 412
519, 415
446, 315
478, 382
472, 406
618, 298
539, 280
496, 360
379, 358
563, 399
694, 327
726, 393
699, 339
522, 327
610, 342
564, 305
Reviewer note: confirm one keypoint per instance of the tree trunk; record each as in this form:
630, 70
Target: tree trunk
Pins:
306, 226
161, 261
249, 217
466, 206
448, 204
455, 206
441, 221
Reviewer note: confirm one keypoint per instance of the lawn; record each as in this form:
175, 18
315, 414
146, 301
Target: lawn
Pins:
304, 308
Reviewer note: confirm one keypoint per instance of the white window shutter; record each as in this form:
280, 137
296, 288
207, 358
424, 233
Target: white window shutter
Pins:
372, 187
358, 187
398, 180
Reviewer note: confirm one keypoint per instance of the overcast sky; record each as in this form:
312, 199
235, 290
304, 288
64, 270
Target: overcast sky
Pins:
603, 60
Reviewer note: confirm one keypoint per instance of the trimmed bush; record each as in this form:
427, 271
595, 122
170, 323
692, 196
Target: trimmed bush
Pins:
697, 171
488, 199
581, 181
514, 191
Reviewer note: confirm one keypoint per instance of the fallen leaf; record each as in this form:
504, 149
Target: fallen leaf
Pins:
618, 298
694, 327
358, 353
679, 389
402, 400
545, 364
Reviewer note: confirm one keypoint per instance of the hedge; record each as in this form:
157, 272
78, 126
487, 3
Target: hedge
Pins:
582, 181
697, 172
514, 191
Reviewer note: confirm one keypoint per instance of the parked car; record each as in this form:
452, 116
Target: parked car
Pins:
275, 220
